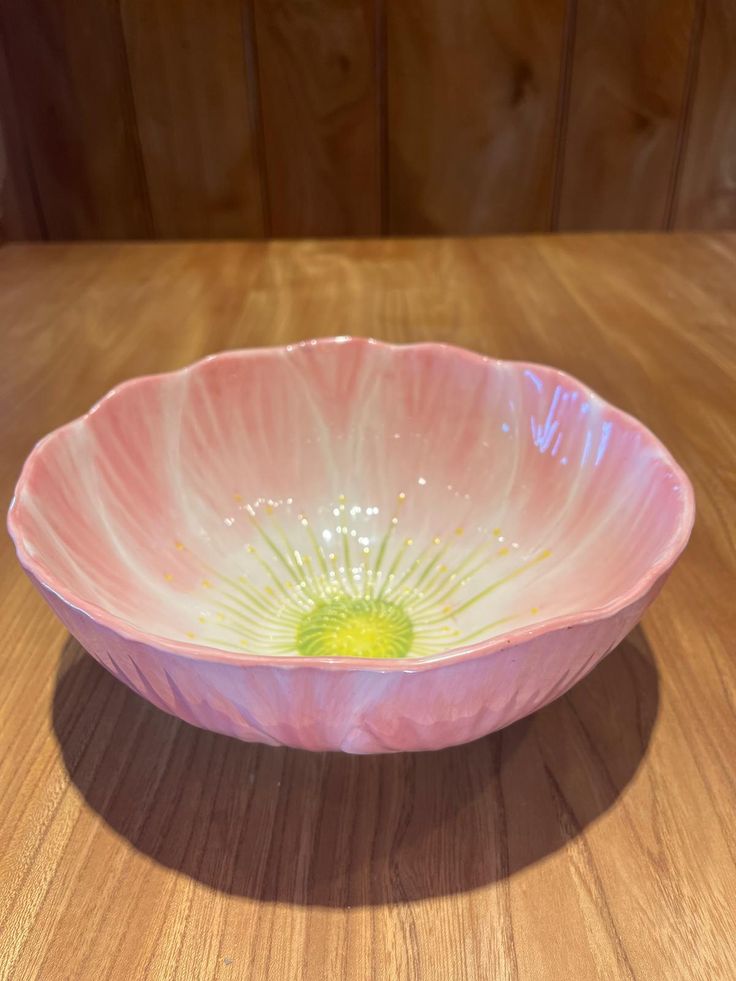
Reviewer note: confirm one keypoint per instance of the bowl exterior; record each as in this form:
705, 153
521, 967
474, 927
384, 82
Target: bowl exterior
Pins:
360, 710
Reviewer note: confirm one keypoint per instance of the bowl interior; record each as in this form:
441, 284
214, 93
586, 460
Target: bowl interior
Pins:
348, 499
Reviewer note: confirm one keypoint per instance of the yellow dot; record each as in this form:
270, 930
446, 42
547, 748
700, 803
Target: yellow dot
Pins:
409, 541
535, 609
546, 553
191, 634
203, 619
168, 577
447, 609
220, 617
269, 591
443, 568
496, 531
289, 584
341, 499
237, 498
269, 509
437, 539
250, 549
207, 584
458, 531
402, 496
366, 551
180, 546
503, 551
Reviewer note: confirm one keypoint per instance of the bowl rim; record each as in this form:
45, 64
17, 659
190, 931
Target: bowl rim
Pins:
44, 577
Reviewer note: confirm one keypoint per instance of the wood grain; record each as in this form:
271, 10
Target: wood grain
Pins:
71, 92
592, 840
318, 71
707, 191
630, 74
19, 213
472, 91
222, 118
196, 106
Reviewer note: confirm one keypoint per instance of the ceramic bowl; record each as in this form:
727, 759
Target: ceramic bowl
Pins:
344, 544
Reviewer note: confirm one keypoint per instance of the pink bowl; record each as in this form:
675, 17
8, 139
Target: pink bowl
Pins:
344, 544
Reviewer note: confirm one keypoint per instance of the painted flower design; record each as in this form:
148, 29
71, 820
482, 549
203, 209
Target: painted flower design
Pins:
348, 582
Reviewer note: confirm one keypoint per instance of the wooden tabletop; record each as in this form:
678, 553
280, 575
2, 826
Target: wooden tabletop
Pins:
595, 839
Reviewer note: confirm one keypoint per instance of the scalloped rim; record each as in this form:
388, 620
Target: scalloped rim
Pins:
128, 631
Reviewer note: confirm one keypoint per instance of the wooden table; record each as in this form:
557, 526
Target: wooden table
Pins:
592, 840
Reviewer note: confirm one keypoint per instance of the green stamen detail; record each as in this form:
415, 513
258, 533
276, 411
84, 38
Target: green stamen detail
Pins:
348, 627
384, 596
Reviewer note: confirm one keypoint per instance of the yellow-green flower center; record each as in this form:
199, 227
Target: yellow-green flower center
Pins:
349, 627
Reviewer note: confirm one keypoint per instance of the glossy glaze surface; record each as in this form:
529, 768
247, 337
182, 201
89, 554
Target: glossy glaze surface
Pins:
351, 505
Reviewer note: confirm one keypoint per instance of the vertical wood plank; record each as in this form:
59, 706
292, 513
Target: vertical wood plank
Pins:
707, 191
67, 64
318, 65
629, 77
20, 217
472, 101
195, 110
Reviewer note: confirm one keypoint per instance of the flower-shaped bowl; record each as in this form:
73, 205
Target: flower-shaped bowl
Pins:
344, 544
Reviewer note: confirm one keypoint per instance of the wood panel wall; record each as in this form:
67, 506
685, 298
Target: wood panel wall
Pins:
252, 118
